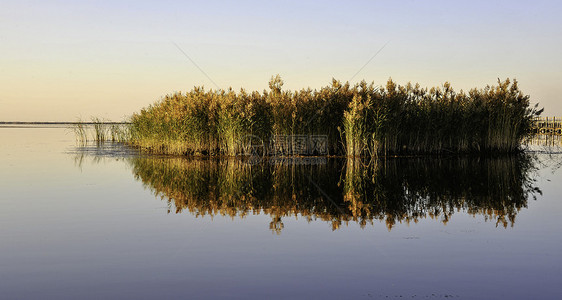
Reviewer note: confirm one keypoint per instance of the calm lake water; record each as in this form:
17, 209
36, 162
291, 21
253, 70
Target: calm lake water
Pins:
106, 223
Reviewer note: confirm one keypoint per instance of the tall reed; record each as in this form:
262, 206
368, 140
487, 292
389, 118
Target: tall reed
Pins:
359, 120
80, 132
409, 119
99, 131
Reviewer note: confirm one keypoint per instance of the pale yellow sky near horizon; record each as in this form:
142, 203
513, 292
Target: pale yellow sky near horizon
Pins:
61, 60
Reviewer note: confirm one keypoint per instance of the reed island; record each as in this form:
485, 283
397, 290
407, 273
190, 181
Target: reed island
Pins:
351, 120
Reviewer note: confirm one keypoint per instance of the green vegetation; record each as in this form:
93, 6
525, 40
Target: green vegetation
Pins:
80, 132
217, 122
408, 119
359, 120
100, 131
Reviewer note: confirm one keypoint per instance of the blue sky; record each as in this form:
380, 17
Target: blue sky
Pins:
61, 60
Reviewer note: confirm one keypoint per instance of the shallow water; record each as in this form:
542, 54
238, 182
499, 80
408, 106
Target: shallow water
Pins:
87, 222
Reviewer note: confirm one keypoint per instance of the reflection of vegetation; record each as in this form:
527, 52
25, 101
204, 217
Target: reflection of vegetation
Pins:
234, 188
393, 190
546, 143
409, 189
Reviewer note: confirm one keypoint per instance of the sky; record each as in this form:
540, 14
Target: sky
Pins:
70, 60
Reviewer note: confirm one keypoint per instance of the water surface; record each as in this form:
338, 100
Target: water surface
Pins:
85, 222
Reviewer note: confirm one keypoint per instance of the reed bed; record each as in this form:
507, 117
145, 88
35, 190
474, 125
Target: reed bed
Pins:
100, 131
359, 120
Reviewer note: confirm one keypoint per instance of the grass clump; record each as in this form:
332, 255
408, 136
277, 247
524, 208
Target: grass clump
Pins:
359, 120
493, 119
80, 132
202, 123
100, 131
409, 119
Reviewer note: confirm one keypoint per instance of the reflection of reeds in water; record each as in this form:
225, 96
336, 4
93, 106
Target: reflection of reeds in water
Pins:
547, 143
406, 190
204, 187
393, 190
234, 188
